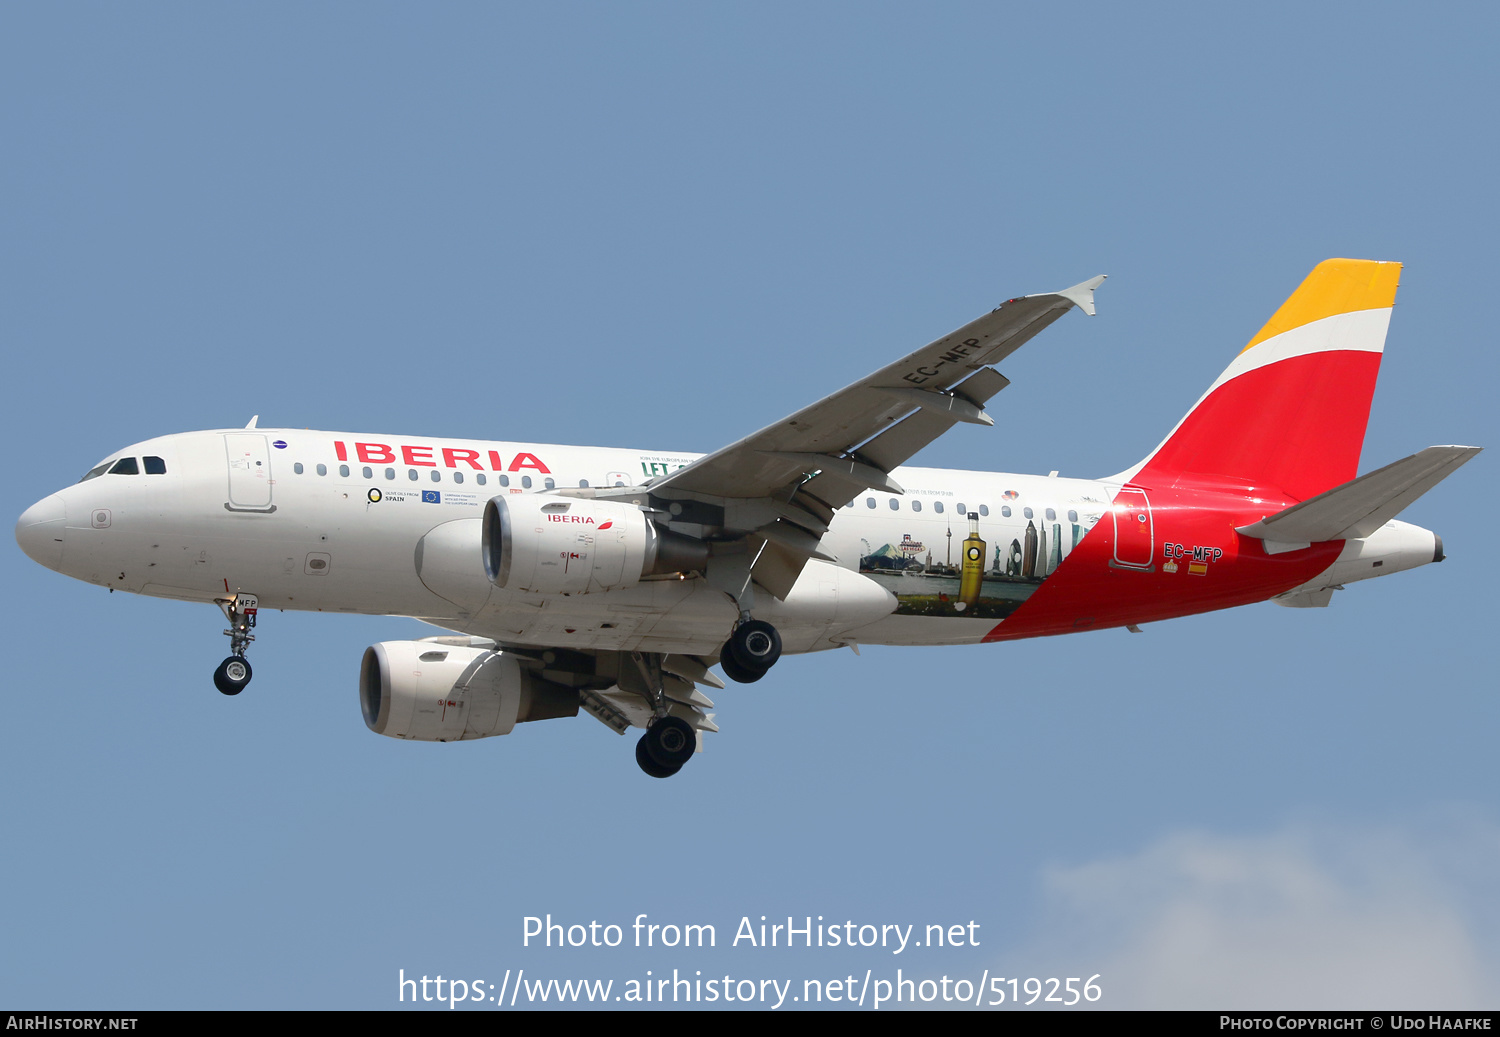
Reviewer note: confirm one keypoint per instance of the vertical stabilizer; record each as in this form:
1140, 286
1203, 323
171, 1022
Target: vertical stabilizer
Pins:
1290, 412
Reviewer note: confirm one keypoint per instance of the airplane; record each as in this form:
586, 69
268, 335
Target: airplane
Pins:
610, 581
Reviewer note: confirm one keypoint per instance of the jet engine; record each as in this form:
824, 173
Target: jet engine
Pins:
433, 692
546, 545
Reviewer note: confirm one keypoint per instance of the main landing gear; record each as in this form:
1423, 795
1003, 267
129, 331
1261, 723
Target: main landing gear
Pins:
234, 672
750, 652
667, 744
669, 741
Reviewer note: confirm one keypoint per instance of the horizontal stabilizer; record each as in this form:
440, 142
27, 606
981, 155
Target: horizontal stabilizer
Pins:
1360, 507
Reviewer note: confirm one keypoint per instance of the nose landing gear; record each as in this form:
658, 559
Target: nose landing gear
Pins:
234, 672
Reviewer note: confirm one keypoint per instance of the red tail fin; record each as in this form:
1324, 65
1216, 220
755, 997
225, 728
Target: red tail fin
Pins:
1290, 412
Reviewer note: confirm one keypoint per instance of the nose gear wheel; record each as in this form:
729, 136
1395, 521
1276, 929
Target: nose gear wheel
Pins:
232, 675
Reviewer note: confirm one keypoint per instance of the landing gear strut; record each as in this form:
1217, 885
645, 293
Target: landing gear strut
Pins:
751, 651
234, 672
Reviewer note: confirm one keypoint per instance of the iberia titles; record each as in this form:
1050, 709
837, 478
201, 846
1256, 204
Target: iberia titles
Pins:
423, 456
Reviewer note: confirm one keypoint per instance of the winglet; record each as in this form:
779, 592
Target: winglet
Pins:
1082, 295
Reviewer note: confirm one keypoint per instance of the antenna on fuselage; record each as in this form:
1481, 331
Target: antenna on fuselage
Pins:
253, 421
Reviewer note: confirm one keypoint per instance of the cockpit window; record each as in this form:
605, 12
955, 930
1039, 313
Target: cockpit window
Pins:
155, 466
94, 473
125, 466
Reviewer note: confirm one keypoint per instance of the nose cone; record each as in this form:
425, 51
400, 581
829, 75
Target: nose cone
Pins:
39, 531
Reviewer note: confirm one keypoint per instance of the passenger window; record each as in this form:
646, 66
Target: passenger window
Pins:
937, 506
458, 477
869, 502
94, 473
125, 466
583, 484
916, 505
960, 508
1026, 512
1051, 515
479, 478
895, 504
156, 466
411, 473
1005, 510
343, 471
322, 469
437, 476
367, 472
525, 482
550, 484
505, 480
390, 473
1072, 516
984, 510
297, 467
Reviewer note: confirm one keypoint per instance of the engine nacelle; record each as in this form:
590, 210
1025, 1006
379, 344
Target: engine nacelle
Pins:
432, 692
549, 545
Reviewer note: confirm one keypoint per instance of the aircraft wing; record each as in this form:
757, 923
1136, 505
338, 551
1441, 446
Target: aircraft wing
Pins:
807, 465
853, 438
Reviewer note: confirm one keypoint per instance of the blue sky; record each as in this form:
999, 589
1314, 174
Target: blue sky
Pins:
664, 226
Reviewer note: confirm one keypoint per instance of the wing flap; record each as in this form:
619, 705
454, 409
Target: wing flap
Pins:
904, 439
777, 567
901, 441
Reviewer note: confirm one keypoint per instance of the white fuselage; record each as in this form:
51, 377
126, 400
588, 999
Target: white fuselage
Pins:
387, 525
302, 529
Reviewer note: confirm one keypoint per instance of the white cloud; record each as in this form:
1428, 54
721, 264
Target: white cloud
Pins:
1309, 917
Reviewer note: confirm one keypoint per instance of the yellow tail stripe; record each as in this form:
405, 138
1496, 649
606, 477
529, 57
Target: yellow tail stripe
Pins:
1335, 286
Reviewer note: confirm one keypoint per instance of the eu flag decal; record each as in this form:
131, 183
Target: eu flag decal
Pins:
432, 497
